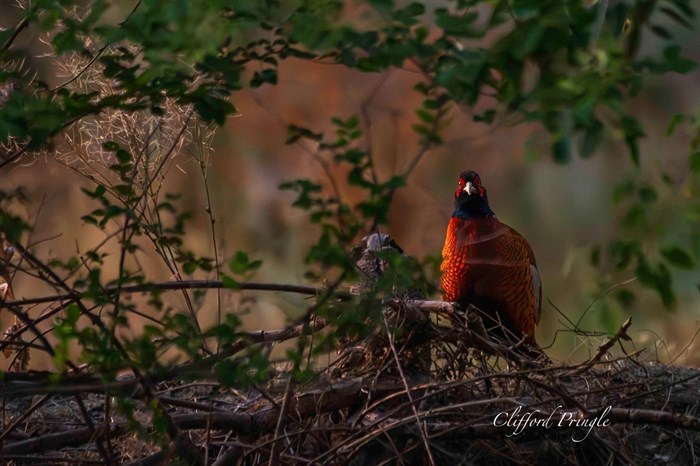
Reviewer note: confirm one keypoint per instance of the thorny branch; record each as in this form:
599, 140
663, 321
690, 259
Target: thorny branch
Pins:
603, 349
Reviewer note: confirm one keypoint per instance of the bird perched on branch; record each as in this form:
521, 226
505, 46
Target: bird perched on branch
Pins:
371, 266
490, 265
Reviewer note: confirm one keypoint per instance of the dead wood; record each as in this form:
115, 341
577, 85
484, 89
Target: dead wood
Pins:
384, 407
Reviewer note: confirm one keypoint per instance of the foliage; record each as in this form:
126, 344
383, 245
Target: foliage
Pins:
568, 66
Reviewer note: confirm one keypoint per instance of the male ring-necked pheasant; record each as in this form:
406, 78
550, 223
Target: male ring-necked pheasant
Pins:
490, 265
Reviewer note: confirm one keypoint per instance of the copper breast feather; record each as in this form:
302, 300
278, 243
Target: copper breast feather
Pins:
490, 265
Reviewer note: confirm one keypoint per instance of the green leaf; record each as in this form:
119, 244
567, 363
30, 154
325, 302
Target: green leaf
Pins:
382, 4
408, 14
635, 216
67, 40
623, 251
123, 156
590, 140
661, 32
676, 17
625, 297
607, 317
5, 34
109, 34
487, 117
426, 116
64, 330
259, 78
89, 219
678, 257
657, 277
213, 109
229, 282
99, 192
694, 162
632, 131
675, 121
647, 194
458, 26
561, 150
685, 8
295, 133
681, 65
623, 190
241, 263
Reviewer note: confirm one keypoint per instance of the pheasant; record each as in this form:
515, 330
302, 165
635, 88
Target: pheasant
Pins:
490, 265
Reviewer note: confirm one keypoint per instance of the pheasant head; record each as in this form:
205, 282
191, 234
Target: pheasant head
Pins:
471, 200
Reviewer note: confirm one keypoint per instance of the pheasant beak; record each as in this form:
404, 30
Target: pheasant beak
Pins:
470, 189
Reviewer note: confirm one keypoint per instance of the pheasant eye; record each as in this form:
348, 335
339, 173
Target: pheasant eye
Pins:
460, 187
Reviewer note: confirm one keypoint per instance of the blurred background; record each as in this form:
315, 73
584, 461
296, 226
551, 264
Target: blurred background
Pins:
563, 210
